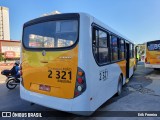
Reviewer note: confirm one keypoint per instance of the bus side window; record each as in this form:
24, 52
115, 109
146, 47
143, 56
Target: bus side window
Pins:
103, 49
131, 50
95, 43
114, 48
121, 49
100, 46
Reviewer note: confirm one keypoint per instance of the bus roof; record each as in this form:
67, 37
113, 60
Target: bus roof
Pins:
152, 41
95, 20
50, 17
108, 28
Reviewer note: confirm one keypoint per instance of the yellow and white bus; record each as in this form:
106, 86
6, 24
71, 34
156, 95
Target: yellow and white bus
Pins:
152, 55
73, 62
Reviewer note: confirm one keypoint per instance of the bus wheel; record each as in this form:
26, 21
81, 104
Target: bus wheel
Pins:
119, 87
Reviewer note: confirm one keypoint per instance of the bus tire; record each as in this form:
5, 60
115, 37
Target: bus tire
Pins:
119, 86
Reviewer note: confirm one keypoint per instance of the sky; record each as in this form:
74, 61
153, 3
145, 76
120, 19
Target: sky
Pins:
138, 20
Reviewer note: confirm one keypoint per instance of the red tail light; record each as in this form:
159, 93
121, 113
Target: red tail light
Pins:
80, 80
80, 86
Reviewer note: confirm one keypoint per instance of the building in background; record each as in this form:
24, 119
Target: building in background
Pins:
4, 24
10, 50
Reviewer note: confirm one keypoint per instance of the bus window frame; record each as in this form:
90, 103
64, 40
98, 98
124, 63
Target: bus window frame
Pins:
119, 46
97, 46
67, 16
131, 51
94, 25
111, 48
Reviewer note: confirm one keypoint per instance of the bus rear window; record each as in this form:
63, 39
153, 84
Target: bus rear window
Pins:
52, 34
153, 46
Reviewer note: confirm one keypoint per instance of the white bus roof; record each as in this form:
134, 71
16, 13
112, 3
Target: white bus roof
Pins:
98, 22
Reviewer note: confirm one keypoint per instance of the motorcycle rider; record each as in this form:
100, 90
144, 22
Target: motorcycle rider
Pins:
15, 70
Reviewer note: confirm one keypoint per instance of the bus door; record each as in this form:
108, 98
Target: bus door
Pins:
127, 60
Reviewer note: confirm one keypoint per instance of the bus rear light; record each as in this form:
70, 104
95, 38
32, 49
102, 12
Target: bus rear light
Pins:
80, 85
79, 88
80, 73
76, 94
80, 80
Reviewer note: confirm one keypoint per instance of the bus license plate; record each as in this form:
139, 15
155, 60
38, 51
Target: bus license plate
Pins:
45, 88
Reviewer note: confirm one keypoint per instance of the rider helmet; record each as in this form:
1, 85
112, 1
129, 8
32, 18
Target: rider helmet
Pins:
17, 62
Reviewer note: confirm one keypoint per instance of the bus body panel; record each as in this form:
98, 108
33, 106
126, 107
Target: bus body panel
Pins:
153, 57
122, 65
77, 104
42, 70
152, 66
50, 55
99, 91
102, 90
131, 66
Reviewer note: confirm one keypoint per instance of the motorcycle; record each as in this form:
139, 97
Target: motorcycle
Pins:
11, 82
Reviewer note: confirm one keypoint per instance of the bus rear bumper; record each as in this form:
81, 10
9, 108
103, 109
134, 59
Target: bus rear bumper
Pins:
77, 105
152, 65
